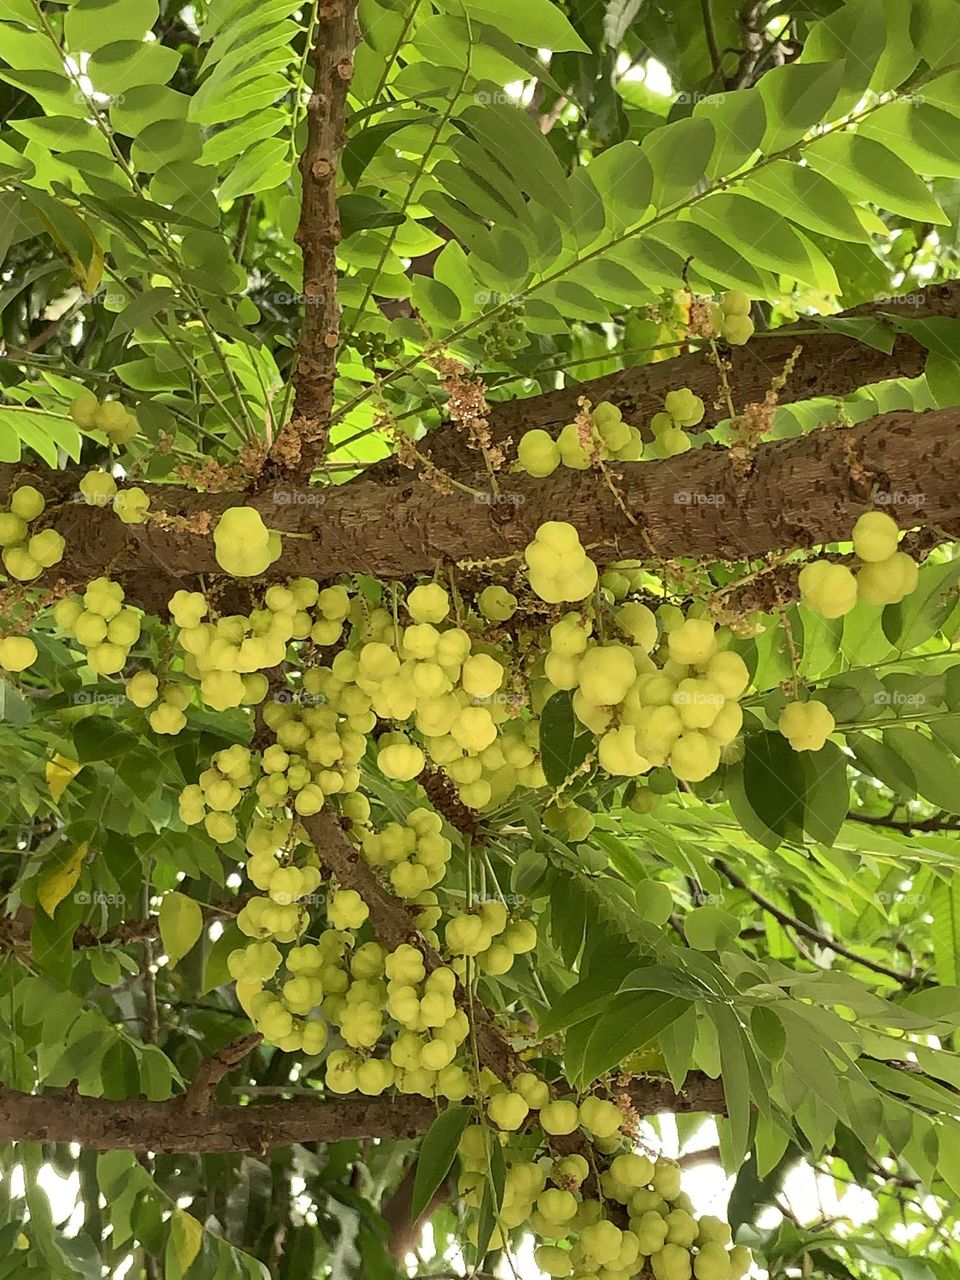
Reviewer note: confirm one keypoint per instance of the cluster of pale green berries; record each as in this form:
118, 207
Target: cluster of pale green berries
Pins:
730, 318
433, 675
651, 699
367, 993
99, 489
413, 855
17, 653
173, 697
489, 937
602, 435
316, 754
228, 656
217, 793
26, 555
118, 424
98, 621
884, 575
660, 1234
681, 408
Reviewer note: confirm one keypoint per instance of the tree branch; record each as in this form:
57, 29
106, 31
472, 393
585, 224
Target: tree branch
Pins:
393, 925
792, 493
906, 825
301, 444
134, 1124
908, 980
830, 364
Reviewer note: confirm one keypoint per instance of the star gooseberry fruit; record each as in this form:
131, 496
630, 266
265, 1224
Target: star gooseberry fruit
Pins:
875, 536
887, 581
560, 569
17, 653
828, 589
245, 547
806, 725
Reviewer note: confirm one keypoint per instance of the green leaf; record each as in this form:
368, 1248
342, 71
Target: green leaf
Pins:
91, 24
631, 1021
768, 1032
181, 923
437, 1152
624, 180
796, 96
924, 611
492, 1201
563, 745
361, 213
871, 172
738, 119
709, 928
766, 238
536, 23
735, 1072
812, 200
774, 784
827, 795
938, 777
678, 154
877, 760
945, 930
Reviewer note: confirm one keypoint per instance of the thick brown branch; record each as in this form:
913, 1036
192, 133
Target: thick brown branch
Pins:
830, 364
301, 444
793, 493
107, 1124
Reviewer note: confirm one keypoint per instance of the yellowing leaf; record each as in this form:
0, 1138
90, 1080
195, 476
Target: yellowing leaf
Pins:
181, 923
56, 883
59, 772
186, 1235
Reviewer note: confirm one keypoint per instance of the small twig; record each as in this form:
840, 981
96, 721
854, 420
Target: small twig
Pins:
200, 1092
815, 935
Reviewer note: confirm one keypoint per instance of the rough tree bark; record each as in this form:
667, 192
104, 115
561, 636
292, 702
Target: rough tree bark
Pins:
134, 1124
302, 442
830, 364
791, 493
